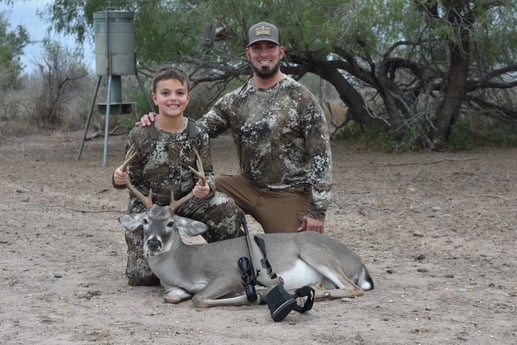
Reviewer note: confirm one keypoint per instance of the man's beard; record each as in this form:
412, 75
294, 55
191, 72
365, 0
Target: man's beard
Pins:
265, 73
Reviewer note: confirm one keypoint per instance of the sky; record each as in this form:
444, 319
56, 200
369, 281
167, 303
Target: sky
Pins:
24, 13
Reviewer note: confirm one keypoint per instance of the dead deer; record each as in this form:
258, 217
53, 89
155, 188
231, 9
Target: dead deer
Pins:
209, 273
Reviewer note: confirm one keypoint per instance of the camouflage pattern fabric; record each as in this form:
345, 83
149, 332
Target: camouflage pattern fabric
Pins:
161, 165
282, 138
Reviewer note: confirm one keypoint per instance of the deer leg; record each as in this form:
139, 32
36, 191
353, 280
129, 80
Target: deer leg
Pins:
320, 293
220, 292
176, 295
337, 285
203, 302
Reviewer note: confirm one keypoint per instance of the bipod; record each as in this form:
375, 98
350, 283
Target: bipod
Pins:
257, 270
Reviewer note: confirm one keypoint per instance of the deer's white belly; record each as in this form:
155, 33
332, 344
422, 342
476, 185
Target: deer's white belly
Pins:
299, 275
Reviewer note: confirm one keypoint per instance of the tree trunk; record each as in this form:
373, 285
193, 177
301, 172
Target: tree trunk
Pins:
454, 93
357, 109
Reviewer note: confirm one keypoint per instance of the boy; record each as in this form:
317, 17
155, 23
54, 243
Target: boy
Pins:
164, 152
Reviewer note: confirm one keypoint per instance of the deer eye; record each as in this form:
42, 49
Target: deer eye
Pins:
145, 221
169, 224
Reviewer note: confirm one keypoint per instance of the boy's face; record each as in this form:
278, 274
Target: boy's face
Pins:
171, 97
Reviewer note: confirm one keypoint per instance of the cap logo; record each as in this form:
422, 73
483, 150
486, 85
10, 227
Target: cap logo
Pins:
263, 31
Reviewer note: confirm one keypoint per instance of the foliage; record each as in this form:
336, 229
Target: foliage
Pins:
509, 136
60, 79
371, 137
12, 44
461, 137
411, 67
465, 135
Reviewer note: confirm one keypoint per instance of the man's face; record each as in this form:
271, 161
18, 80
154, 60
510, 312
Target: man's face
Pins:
265, 57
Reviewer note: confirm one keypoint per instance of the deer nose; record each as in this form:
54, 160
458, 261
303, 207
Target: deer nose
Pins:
153, 244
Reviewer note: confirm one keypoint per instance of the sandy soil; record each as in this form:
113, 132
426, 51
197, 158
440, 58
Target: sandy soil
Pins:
437, 231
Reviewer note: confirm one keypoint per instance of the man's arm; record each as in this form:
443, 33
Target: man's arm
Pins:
317, 140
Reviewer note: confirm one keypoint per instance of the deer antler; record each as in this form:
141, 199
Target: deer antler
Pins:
146, 200
130, 155
199, 164
199, 173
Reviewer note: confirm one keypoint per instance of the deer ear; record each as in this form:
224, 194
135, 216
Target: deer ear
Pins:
131, 221
189, 226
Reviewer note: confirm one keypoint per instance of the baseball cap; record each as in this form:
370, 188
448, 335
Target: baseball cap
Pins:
263, 31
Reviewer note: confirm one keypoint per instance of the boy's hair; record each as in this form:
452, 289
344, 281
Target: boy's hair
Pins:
170, 72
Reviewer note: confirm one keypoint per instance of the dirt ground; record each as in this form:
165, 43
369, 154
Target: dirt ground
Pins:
438, 232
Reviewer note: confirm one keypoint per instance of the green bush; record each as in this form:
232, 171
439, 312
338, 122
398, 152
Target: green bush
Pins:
376, 138
509, 137
461, 137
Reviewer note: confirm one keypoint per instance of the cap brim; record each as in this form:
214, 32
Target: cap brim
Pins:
263, 39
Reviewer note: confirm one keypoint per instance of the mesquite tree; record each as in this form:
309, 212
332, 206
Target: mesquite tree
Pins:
412, 67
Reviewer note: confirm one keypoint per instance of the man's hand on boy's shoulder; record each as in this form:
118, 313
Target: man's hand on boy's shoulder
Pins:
147, 119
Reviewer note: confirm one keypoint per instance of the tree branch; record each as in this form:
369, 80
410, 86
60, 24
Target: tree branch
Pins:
488, 82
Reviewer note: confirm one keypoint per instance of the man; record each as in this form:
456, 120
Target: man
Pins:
282, 141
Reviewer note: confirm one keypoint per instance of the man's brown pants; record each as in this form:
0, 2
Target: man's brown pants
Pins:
275, 210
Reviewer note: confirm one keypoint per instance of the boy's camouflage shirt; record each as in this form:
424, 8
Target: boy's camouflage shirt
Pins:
162, 165
282, 138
